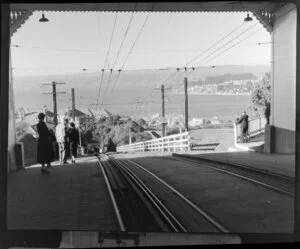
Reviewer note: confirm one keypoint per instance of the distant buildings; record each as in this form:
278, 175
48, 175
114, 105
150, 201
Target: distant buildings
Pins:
26, 122
78, 113
215, 120
230, 87
196, 122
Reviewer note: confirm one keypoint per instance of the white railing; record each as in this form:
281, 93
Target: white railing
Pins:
173, 143
255, 127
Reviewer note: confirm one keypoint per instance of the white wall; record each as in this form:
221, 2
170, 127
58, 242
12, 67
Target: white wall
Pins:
284, 68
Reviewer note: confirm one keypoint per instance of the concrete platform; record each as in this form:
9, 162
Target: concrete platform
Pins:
279, 163
71, 197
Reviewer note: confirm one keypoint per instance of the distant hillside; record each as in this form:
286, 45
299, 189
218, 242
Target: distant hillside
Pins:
29, 90
218, 79
228, 77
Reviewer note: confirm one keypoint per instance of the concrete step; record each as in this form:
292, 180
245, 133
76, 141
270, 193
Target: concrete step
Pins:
246, 147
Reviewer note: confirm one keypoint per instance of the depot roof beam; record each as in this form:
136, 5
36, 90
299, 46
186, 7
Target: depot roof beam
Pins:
159, 6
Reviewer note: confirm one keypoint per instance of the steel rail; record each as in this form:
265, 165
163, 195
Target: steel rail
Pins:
238, 165
163, 210
204, 214
278, 189
116, 208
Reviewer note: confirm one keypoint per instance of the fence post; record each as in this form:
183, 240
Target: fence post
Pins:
188, 142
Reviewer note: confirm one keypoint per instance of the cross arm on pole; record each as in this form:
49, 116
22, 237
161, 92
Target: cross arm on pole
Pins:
56, 93
56, 83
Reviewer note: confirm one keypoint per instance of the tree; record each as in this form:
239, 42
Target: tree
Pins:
260, 99
142, 122
111, 147
115, 119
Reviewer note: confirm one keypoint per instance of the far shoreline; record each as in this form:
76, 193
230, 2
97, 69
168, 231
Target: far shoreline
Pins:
246, 94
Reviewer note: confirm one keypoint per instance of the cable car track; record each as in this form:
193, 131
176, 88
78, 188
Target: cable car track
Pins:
165, 204
169, 219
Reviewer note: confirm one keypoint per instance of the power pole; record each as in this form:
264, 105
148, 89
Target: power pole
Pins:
129, 135
186, 113
54, 93
73, 103
163, 109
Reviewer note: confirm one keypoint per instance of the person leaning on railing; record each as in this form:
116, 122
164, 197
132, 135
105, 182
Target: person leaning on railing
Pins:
243, 121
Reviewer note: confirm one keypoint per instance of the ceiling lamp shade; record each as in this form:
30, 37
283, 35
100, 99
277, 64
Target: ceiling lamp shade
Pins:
248, 18
44, 19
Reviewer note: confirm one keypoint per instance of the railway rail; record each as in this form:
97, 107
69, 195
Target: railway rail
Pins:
271, 180
172, 211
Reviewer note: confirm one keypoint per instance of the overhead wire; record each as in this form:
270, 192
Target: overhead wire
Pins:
217, 49
114, 64
209, 48
111, 52
222, 40
234, 45
133, 45
106, 58
228, 42
171, 77
213, 45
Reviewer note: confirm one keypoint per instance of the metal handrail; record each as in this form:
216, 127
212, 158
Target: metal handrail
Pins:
255, 127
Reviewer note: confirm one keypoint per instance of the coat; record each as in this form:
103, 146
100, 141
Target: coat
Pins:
60, 133
244, 122
73, 137
45, 153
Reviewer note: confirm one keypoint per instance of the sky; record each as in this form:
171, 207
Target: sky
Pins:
71, 41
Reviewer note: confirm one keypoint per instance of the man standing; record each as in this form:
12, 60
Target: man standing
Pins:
243, 120
268, 112
61, 137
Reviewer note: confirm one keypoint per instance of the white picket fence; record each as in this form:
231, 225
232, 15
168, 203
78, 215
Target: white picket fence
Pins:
255, 127
173, 143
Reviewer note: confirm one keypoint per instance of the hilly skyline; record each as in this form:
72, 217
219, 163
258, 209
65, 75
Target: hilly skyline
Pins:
131, 85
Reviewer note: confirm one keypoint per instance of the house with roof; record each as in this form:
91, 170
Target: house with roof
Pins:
78, 114
29, 122
215, 120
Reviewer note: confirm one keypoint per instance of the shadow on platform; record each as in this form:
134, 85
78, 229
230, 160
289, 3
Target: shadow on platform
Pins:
71, 197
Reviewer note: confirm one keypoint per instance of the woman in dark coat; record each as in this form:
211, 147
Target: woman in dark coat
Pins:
44, 150
73, 136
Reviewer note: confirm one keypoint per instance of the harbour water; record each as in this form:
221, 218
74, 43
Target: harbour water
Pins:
225, 106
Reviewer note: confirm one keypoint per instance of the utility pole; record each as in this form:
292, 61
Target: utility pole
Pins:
129, 135
73, 103
86, 124
163, 109
186, 113
54, 93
